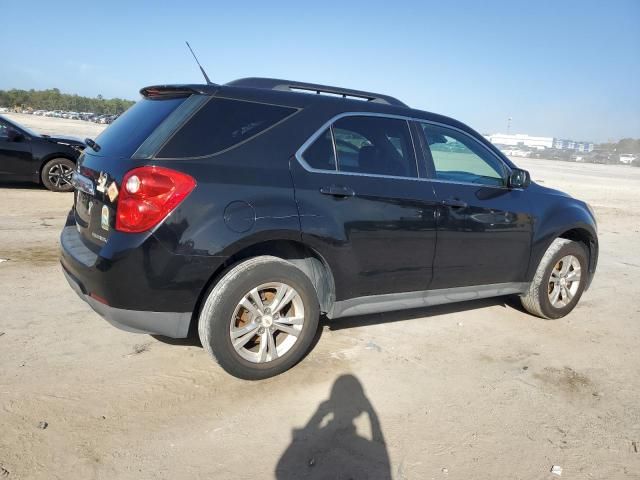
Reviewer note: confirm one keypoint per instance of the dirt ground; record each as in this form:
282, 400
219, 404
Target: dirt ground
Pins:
466, 391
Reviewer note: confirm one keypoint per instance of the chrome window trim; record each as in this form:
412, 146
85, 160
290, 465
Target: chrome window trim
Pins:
329, 124
415, 152
333, 146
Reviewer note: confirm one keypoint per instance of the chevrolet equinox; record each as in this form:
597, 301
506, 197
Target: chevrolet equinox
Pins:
247, 210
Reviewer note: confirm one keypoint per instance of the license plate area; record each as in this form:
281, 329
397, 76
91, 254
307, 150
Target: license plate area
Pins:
83, 207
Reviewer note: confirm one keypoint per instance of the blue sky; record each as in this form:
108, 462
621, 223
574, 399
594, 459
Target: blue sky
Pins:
559, 68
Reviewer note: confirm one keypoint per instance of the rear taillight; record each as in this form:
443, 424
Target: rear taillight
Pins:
148, 195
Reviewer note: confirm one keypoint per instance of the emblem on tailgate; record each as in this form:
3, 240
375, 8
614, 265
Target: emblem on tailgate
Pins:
99, 237
102, 182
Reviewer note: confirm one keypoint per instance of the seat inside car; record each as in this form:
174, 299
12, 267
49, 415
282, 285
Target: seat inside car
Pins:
381, 161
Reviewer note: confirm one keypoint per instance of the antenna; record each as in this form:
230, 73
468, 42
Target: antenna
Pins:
209, 82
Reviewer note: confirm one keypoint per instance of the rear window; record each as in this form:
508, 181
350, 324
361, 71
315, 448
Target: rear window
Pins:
221, 124
123, 137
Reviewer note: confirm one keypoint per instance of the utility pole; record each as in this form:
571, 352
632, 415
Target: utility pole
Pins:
509, 125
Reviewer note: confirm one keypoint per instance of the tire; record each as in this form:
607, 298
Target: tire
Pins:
538, 299
222, 316
56, 175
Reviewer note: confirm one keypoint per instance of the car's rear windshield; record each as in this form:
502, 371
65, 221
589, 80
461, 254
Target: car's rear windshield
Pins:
123, 137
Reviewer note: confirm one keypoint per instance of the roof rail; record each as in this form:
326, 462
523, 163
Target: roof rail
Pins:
293, 86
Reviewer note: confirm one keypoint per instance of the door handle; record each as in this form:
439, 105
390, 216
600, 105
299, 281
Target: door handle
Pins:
338, 191
455, 203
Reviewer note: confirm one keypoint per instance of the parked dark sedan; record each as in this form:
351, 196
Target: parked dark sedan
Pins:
26, 156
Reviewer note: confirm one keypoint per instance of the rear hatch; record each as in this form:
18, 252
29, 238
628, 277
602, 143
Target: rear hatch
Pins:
126, 144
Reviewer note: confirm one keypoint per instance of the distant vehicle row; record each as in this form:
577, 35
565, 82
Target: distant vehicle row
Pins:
87, 116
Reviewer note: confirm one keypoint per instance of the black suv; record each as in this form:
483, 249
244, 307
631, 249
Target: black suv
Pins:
249, 209
27, 156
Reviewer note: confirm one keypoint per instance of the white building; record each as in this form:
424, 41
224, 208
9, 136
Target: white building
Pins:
515, 140
562, 144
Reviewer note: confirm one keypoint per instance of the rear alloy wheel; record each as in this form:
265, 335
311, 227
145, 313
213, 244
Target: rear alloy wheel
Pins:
559, 280
260, 318
267, 322
56, 175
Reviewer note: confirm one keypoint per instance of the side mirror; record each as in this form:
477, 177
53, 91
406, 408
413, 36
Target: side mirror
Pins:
14, 135
519, 178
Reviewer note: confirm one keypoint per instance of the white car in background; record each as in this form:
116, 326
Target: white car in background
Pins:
627, 158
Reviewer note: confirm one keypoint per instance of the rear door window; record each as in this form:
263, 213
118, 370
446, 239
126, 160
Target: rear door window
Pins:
222, 124
374, 145
320, 154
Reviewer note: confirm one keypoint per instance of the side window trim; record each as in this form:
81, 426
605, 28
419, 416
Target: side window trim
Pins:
415, 151
428, 158
333, 146
423, 154
425, 157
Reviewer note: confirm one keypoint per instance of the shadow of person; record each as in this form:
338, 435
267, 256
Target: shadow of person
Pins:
329, 446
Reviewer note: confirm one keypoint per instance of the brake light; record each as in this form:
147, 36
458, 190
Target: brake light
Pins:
148, 195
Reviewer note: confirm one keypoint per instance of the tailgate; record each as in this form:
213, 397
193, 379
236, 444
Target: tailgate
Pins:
102, 166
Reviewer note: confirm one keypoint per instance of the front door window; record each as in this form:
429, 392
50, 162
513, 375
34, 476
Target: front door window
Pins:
458, 158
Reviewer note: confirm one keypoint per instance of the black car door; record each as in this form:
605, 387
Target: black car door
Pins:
484, 227
364, 208
15, 153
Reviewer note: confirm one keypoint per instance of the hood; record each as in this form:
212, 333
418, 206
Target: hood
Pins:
63, 140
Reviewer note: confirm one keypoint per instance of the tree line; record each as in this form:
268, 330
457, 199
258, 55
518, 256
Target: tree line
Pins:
53, 99
626, 145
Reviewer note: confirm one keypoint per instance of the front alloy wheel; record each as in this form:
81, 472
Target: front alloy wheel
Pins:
559, 280
564, 281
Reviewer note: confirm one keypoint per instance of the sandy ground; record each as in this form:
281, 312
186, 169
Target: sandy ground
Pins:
473, 390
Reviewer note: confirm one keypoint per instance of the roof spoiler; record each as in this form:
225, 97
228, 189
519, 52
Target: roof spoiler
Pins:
293, 86
173, 91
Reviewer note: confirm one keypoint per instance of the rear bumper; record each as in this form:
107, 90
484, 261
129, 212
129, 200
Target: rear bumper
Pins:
170, 324
134, 282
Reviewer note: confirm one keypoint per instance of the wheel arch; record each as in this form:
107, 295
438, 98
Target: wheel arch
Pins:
307, 259
589, 240
572, 223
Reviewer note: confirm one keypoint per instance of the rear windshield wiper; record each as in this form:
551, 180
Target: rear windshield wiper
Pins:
94, 146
